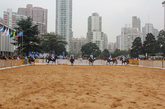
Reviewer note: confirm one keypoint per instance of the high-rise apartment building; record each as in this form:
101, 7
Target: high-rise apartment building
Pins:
6, 46
64, 21
1, 20
112, 47
77, 43
118, 42
95, 34
11, 18
38, 15
136, 23
149, 28
128, 35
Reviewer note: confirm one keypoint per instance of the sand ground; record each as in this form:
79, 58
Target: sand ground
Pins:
82, 87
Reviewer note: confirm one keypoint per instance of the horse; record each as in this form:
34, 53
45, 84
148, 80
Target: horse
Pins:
53, 59
91, 61
126, 61
31, 60
114, 61
72, 60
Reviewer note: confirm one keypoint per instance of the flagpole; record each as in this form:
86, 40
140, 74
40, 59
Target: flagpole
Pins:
22, 44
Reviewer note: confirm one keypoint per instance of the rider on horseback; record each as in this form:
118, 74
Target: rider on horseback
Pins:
110, 58
72, 59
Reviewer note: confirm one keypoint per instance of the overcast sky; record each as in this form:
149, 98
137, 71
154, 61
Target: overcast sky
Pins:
115, 13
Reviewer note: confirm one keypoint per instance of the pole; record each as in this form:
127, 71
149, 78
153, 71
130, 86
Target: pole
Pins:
22, 44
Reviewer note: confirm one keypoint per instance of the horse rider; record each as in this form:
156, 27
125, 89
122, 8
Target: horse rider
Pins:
110, 58
124, 58
91, 56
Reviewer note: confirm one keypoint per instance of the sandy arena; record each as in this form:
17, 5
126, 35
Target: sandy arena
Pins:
82, 87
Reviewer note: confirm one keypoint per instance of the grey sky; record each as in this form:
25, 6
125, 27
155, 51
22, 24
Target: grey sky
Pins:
115, 13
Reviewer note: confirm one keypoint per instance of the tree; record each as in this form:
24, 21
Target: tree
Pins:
105, 53
120, 53
136, 48
29, 42
161, 42
53, 44
90, 48
150, 45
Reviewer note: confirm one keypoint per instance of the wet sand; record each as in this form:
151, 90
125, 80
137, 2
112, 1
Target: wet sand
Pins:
82, 87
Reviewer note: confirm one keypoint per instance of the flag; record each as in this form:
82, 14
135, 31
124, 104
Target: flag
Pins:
2, 29
20, 34
12, 33
4, 33
7, 33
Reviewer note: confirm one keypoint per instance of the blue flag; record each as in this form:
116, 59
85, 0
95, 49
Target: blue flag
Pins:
2, 29
20, 34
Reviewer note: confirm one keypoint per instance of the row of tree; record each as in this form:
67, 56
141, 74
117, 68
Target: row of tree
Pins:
150, 47
51, 43
31, 42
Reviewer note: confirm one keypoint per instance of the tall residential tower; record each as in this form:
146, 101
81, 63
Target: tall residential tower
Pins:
95, 34
64, 21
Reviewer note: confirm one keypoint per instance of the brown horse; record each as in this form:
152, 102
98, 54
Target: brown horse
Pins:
72, 60
126, 61
91, 61
114, 61
31, 60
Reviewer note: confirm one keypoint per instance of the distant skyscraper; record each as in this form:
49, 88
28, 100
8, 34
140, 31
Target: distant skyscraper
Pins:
64, 21
11, 18
136, 23
128, 35
77, 43
149, 28
164, 13
95, 34
118, 42
38, 15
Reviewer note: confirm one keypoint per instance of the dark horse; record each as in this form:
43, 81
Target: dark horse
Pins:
31, 60
114, 61
53, 59
124, 61
72, 60
91, 61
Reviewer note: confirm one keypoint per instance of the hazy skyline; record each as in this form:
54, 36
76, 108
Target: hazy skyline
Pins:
115, 13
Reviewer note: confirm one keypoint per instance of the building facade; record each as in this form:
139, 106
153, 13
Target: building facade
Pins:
64, 21
6, 46
149, 28
128, 35
77, 44
118, 42
136, 23
38, 15
11, 18
112, 47
95, 34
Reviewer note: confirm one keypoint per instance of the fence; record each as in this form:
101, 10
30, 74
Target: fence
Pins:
144, 63
10, 63
149, 63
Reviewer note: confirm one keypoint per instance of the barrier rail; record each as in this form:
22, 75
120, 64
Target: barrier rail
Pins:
144, 63
10, 63
149, 63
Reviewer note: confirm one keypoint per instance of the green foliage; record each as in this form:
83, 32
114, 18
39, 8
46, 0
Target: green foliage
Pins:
161, 42
150, 45
90, 48
136, 48
120, 53
30, 37
53, 44
105, 54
